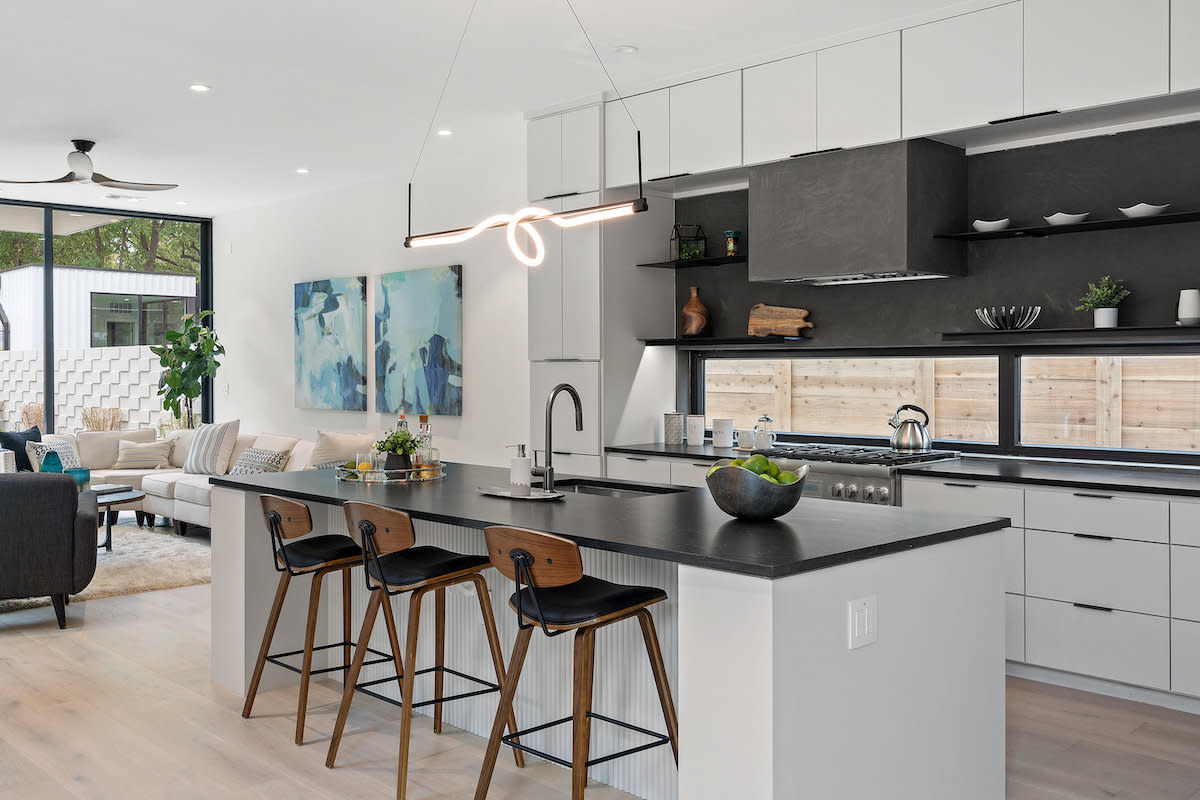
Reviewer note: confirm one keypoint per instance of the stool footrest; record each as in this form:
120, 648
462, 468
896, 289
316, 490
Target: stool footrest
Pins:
491, 687
659, 739
277, 659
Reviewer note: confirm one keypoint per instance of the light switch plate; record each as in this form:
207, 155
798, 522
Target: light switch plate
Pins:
863, 622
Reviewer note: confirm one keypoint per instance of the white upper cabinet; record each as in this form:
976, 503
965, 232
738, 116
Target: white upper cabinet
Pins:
652, 112
858, 93
581, 288
779, 109
543, 149
545, 287
1081, 53
963, 71
1185, 55
706, 124
563, 153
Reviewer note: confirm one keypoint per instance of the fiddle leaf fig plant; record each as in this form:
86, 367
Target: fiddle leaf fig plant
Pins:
188, 356
1105, 294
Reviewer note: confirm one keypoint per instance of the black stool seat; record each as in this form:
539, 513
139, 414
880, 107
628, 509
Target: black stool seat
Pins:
586, 599
317, 550
420, 564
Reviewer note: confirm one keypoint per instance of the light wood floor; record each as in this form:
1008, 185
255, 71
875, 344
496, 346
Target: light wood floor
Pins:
120, 705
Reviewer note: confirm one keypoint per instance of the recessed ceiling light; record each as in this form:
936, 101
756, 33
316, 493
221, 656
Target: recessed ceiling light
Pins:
200, 88
626, 50
301, 170
445, 132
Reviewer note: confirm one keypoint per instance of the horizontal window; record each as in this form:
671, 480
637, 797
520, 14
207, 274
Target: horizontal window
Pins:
856, 396
1113, 402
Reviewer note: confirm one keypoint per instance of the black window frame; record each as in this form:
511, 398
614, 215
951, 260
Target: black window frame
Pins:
204, 285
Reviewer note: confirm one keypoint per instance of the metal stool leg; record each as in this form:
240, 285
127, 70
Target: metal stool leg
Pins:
268, 635
503, 711
660, 679
360, 654
314, 602
581, 723
489, 625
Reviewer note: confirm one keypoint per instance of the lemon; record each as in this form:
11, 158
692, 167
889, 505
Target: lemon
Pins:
364, 465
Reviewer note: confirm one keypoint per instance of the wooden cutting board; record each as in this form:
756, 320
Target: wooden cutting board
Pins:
768, 320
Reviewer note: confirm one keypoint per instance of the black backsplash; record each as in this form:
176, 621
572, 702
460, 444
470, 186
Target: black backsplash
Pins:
1098, 174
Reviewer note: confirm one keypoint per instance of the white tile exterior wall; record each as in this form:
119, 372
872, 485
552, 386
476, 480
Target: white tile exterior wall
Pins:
106, 377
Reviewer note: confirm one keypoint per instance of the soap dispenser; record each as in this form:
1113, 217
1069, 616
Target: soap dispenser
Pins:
521, 472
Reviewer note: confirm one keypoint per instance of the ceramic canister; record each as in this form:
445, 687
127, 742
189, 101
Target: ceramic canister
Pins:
695, 429
673, 428
722, 433
1189, 305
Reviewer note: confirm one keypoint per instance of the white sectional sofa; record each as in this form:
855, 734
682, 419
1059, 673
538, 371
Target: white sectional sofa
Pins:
98, 452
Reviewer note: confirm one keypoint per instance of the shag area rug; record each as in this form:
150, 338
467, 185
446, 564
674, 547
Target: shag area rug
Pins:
142, 560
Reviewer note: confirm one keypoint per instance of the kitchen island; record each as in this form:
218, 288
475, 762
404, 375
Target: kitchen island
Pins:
773, 703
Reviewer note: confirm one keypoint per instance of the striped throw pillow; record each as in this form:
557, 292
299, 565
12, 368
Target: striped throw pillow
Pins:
254, 461
211, 449
143, 455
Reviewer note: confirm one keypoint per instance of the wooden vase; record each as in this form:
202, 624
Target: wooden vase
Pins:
693, 319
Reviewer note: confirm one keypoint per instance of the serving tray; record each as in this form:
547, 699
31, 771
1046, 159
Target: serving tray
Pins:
425, 472
507, 493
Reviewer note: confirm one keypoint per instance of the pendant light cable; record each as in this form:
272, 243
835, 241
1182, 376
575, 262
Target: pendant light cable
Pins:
600, 61
438, 107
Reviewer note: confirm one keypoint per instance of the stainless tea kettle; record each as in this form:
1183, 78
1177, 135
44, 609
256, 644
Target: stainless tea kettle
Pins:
910, 436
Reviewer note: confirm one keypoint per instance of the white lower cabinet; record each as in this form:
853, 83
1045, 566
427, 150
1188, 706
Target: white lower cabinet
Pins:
1014, 560
1116, 645
1185, 583
1185, 657
1111, 573
1185, 523
690, 473
638, 468
964, 497
575, 464
1101, 513
1014, 627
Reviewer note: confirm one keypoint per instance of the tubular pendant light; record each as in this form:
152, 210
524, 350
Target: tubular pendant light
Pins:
523, 218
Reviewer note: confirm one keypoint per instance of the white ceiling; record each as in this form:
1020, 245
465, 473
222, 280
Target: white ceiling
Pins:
345, 89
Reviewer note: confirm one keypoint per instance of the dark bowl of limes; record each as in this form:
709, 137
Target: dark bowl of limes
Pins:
755, 488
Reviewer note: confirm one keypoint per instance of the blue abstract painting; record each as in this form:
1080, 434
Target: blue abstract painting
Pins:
419, 341
331, 344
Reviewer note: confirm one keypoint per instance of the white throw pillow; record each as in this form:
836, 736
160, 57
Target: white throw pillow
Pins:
254, 461
338, 448
36, 451
275, 441
143, 455
211, 448
183, 443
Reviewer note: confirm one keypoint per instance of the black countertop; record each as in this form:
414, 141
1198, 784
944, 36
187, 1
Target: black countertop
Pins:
684, 527
1117, 477
704, 452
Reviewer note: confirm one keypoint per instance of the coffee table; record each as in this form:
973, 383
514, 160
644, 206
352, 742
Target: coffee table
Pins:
105, 502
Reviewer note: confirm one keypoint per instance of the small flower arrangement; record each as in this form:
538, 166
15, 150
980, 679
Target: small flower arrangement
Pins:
399, 442
1105, 294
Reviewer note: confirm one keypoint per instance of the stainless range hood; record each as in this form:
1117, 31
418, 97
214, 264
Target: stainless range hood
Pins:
859, 216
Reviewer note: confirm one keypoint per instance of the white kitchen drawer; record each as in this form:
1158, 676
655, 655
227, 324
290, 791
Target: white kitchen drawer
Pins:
573, 464
1185, 657
1117, 645
1185, 583
964, 496
1185, 523
1113, 573
585, 377
1014, 627
1014, 560
690, 473
638, 468
1097, 512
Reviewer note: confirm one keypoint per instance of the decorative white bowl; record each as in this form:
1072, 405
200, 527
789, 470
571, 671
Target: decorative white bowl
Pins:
987, 225
1144, 210
1063, 218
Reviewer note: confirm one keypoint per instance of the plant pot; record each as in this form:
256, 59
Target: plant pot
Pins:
1105, 317
398, 461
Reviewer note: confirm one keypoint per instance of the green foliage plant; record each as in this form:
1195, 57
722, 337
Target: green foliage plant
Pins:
188, 356
400, 442
1106, 294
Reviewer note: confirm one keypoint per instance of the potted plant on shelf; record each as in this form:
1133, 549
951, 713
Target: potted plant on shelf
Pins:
1102, 300
399, 445
188, 357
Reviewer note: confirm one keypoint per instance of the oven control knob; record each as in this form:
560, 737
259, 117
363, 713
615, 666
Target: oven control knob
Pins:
852, 491
869, 493
838, 489
882, 494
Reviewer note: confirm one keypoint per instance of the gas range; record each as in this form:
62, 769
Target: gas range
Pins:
851, 472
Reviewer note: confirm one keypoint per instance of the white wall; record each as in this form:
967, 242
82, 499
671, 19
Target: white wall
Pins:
260, 253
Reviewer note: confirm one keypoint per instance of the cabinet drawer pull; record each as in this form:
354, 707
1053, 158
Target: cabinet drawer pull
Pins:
562, 452
961, 485
668, 177
1092, 607
1092, 536
694, 464
636, 458
1093, 496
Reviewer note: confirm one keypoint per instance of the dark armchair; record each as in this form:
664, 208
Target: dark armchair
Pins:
47, 538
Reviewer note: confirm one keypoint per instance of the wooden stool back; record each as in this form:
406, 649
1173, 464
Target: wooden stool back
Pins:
294, 517
553, 561
393, 529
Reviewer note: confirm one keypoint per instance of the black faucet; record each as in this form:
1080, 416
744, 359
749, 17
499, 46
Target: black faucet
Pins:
548, 472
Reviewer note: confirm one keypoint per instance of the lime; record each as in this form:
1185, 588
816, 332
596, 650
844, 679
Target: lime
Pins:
787, 477
737, 462
757, 464
767, 477
714, 469
350, 465
772, 469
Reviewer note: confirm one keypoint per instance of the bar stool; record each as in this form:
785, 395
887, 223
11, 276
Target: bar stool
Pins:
392, 566
316, 556
557, 596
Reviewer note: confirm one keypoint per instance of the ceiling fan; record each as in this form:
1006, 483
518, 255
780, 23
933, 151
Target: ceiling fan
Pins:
81, 172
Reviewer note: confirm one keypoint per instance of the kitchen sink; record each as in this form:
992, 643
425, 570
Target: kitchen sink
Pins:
603, 488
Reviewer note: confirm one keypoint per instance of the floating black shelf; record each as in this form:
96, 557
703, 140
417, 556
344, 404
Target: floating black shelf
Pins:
715, 261
1151, 334
738, 343
1086, 226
